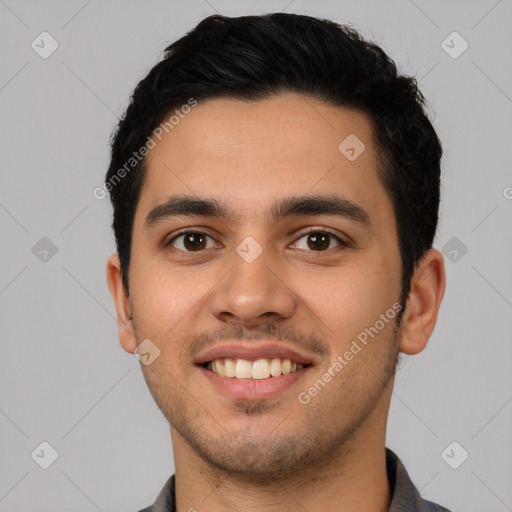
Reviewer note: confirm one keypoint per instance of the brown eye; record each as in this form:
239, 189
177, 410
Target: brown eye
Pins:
190, 241
319, 241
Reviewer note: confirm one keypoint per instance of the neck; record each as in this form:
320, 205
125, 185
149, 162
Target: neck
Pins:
354, 476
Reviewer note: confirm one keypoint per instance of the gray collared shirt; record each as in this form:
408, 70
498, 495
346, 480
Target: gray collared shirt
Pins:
406, 497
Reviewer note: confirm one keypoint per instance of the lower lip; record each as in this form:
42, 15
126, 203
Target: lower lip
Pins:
252, 389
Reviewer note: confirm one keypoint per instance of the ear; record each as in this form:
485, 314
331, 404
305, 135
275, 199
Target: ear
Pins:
427, 291
122, 303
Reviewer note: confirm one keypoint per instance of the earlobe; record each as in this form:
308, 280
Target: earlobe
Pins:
427, 291
122, 304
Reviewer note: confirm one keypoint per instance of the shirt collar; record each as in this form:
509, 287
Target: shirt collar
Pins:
405, 496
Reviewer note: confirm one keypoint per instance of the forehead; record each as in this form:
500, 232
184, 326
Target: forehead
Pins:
250, 154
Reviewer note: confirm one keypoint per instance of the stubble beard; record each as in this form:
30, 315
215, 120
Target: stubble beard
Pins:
278, 454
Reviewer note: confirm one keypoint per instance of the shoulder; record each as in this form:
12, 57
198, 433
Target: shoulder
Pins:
405, 496
165, 501
429, 507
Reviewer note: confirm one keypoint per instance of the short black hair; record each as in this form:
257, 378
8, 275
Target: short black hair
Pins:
255, 57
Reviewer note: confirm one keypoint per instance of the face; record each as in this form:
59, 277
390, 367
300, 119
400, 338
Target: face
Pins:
267, 279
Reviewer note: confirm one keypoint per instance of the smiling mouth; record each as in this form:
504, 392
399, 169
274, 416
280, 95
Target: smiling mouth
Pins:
259, 369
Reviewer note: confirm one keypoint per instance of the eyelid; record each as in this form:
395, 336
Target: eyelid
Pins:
344, 241
198, 230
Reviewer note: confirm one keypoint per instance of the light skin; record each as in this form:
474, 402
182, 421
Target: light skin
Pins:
277, 453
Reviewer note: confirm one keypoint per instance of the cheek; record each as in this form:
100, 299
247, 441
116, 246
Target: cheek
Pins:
166, 299
354, 291
346, 301
158, 297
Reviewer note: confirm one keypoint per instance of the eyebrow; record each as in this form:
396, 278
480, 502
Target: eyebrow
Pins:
281, 209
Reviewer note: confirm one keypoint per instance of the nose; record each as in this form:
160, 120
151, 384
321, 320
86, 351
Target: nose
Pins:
252, 294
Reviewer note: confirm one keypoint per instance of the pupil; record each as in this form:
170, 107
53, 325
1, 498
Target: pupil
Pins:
319, 240
189, 241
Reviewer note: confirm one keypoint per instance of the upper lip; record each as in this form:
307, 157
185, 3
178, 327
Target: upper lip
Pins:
261, 351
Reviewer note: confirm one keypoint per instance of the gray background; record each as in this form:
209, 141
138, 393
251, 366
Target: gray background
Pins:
65, 378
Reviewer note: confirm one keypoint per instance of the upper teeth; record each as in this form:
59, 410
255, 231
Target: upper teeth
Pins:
259, 369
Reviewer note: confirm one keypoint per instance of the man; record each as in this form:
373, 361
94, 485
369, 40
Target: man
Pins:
275, 186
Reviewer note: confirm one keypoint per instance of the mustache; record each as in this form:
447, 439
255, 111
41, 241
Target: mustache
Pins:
268, 332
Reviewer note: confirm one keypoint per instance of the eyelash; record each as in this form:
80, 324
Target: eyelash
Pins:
343, 243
